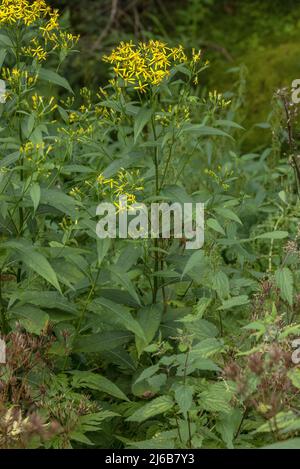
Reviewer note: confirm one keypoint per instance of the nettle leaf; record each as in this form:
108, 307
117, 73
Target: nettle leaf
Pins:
206, 348
220, 283
198, 311
292, 443
143, 117
285, 282
151, 409
236, 301
184, 398
117, 314
228, 425
34, 260
87, 379
216, 398
147, 373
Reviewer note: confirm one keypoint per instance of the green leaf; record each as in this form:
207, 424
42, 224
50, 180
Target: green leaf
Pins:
55, 78
228, 214
147, 373
205, 131
35, 194
216, 398
293, 443
206, 348
123, 279
118, 314
273, 235
220, 283
236, 301
184, 398
194, 260
87, 379
227, 123
102, 342
149, 319
33, 319
3, 53
34, 260
57, 199
155, 407
142, 119
215, 225
285, 282
294, 375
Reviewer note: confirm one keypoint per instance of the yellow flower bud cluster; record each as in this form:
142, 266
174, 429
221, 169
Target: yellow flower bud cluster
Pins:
124, 184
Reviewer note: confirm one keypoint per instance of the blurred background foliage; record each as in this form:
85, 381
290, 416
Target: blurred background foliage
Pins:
252, 43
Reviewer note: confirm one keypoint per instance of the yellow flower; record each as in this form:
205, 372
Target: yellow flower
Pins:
146, 64
26, 11
35, 50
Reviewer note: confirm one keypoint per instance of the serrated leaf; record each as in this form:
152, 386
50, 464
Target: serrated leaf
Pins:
221, 284
235, 301
151, 409
285, 282
184, 398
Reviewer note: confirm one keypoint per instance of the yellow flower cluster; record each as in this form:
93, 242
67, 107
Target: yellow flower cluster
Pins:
63, 40
12, 11
35, 50
18, 80
35, 152
124, 183
146, 64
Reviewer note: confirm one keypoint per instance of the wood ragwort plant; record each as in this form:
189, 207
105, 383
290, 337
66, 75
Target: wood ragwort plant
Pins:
140, 343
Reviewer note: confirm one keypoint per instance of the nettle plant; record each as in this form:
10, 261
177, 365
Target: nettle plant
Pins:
150, 330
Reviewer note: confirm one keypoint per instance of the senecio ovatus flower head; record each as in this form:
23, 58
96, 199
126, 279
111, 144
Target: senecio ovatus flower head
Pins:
12, 11
145, 64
